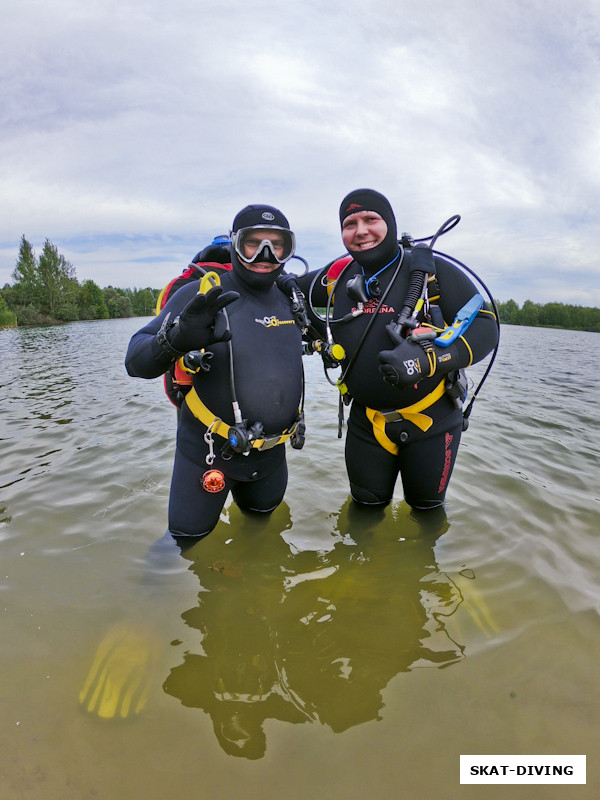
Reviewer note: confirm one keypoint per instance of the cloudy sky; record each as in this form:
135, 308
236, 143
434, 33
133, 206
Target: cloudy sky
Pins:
132, 131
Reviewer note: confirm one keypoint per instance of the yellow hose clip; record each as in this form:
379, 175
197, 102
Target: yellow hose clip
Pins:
342, 387
208, 281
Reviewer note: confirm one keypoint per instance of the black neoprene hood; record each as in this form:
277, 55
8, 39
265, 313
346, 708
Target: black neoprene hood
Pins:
259, 215
370, 200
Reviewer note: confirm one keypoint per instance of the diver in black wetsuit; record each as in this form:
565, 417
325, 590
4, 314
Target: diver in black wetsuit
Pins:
402, 419
243, 346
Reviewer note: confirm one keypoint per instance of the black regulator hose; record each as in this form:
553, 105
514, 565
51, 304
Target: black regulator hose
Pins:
469, 408
450, 223
413, 293
418, 277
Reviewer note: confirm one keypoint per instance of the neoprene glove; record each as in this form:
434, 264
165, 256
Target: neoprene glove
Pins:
200, 323
410, 362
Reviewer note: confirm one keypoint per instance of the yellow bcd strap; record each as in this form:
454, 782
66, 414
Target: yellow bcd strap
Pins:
159, 301
378, 422
216, 425
410, 413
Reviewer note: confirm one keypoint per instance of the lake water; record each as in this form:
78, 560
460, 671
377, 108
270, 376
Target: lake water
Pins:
318, 653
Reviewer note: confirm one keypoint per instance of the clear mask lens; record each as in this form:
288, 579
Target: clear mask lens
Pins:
259, 243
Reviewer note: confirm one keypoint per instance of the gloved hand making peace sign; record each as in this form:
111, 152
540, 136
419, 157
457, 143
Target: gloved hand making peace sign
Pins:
199, 324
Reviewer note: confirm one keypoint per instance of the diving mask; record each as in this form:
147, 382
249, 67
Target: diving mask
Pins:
278, 247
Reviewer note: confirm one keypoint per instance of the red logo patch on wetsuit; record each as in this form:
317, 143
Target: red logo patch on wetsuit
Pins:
447, 462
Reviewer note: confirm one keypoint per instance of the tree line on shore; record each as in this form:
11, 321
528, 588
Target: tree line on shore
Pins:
45, 291
550, 315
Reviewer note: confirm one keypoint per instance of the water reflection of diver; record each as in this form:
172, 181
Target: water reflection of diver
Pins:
312, 636
236, 679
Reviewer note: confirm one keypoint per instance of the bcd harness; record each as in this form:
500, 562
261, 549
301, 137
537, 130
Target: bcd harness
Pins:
216, 426
412, 413
239, 437
418, 300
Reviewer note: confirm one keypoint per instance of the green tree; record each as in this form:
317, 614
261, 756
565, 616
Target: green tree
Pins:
91, 302
117, 303
59, 287
7, 317
27, 289
586, 319
509, 312
529, 314
8, 293
143, 302
554, 315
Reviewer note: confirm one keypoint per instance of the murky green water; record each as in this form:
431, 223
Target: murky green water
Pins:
320, 654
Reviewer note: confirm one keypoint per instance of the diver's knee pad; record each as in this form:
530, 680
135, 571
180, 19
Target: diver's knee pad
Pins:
367, 497
256, 510
188, 537
424, 505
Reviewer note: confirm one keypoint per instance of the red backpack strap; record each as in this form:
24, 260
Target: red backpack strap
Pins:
189, 274
192, 273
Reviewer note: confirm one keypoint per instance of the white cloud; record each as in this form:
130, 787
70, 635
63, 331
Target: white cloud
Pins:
137, 130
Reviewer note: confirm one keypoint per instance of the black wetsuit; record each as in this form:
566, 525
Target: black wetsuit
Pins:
424, 458
267, 366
